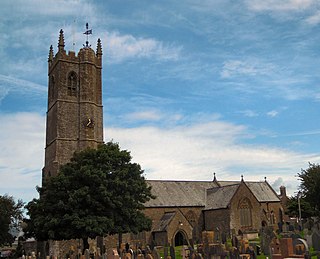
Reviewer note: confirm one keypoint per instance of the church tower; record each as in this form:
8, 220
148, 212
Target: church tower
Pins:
74, 116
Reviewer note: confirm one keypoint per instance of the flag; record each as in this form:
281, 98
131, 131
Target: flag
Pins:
87, 32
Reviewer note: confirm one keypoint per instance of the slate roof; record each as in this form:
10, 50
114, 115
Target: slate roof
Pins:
262, 190
206, 194
220, 197
164, 222
179, 193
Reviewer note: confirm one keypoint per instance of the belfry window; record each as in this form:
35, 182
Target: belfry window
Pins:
245, 213
72, 84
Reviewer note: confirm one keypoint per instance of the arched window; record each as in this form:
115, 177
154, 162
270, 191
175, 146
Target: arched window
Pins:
72, 84
272, 218
245, 213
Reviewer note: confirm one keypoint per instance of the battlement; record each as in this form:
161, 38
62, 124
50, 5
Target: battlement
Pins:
85, 54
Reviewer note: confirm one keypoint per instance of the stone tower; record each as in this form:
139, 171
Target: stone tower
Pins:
74, 116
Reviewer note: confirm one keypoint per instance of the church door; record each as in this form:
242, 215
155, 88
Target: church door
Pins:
180, 239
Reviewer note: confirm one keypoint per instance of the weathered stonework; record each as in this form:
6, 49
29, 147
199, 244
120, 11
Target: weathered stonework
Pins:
74, 116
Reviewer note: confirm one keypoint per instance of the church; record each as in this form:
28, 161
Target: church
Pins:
182, 210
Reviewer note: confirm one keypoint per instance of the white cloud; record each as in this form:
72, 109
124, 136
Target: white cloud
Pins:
11, 84
22, 153
48, 7
314, 19
122, 47
248, 67
272, 113
249, 113
196, 151
280, 6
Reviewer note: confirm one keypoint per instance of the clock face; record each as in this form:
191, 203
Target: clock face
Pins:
89, 122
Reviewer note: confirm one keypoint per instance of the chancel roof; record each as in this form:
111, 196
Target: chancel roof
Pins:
220, 197
261, 190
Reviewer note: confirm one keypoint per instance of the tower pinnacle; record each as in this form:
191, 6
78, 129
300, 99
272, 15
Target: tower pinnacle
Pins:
50, 58
61, 41
99, 48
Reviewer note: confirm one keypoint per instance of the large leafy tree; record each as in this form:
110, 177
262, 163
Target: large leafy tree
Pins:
310, 186
305, 207
11, 213
99, 192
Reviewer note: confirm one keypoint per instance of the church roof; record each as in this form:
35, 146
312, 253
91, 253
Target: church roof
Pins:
179, 193
208, 194
220, 197
164, 222
261, 190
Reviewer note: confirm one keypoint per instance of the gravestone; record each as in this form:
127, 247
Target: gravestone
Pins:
115, 254
165, 252
155, 253
316, 240
266, 236
87, 254
172, 252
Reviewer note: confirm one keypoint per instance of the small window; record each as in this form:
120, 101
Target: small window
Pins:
245, 213
72, 84
51, 87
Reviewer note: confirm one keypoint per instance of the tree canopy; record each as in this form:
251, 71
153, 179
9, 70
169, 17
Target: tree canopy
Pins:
310, 186
305, 207
100, 191
11, 213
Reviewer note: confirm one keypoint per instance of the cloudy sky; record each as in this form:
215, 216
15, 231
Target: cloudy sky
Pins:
189, 87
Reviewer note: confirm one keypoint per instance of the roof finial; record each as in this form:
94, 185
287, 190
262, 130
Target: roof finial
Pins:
99, 48
50, 58
214, 177
242, 178
265, 179
87, 32
61, 41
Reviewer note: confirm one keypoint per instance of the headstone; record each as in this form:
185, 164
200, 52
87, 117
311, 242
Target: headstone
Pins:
185, 254
316, 241
115, 254
87, 254
172, 252
155, 253
165, 252
286, 247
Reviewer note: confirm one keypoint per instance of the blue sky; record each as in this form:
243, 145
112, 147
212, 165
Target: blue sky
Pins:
189, 87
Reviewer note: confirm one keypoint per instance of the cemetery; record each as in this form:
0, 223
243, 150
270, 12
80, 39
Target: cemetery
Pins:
293, 242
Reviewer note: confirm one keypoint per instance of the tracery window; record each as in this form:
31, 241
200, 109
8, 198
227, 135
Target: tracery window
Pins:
245, 213
72, 84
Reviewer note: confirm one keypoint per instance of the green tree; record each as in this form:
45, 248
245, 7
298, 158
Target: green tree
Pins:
305, 207
310, 186
11, 213
99, 192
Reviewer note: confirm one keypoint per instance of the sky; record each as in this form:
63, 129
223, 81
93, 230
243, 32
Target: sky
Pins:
190, 88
